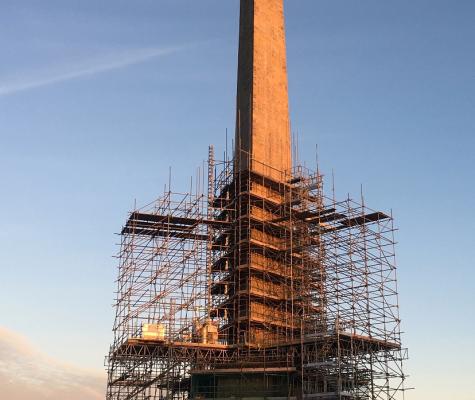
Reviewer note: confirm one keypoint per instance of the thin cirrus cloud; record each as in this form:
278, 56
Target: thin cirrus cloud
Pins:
27, 373
93, 66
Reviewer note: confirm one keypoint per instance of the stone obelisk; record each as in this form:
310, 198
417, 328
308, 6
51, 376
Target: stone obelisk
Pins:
262, 141
260, 308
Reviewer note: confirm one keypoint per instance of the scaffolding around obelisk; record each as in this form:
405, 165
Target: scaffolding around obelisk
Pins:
257, 283
311, 313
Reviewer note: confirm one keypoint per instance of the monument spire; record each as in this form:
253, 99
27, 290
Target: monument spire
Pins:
262, 140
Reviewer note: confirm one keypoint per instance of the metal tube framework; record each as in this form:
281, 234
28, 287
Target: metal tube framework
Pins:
296, 282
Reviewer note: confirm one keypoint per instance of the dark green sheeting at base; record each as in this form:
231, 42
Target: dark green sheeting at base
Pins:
247, 385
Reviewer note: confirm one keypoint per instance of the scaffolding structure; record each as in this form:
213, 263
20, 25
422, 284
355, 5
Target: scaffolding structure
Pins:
256, 287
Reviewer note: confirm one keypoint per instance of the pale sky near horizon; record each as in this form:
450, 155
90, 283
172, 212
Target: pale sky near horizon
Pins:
98, 99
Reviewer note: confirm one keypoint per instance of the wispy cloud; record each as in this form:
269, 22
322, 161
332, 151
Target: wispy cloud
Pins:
89, 67
26, 373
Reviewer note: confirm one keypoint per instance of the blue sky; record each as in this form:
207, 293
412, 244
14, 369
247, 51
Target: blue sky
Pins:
98, 99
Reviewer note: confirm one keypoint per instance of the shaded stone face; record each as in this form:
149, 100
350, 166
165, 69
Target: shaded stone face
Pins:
263, 141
